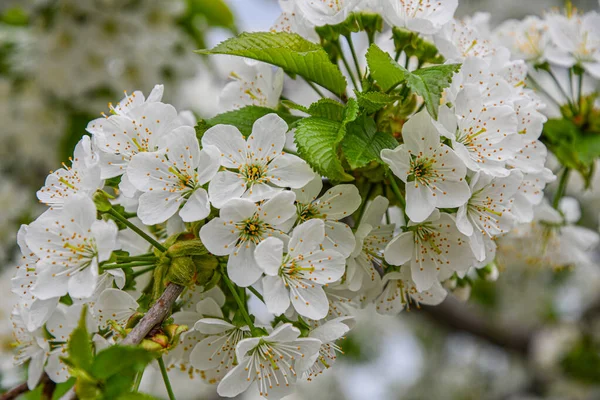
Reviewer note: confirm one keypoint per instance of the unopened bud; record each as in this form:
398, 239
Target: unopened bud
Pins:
102, 200
173, 332
182, 271
187, 248
151, 345
462, 292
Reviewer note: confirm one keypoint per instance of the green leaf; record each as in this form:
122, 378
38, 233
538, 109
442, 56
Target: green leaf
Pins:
588, 148
351, 111
386, 72
414, 45
243, 119
430, 82
216, 12
118, 384
80, 346
374, 101
363, 144
116, 359
290, 51
327, 108
356, 22
317, 140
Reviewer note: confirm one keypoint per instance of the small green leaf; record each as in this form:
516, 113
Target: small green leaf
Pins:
430, 82
386, 72
374, 101
290, 51
363, 144
80, 346
588, 148
356, 22
243, 119
327, 108
216, 12
351, 111
317, 140
294, 106
414, 45
117, 359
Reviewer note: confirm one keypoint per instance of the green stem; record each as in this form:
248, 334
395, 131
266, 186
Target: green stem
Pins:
126, 265
539, 88
138, 380
137, 230
255, 292
347, 65
149, 257
363, 205
143, 271
579, 91
397, 192
562, 186
353, 51
163, 371
238, 300
315, 88
562, 90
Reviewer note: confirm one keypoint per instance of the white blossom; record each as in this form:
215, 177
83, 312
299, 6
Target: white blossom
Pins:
240, 227
328, 334
487, 213
34, 312
82, 177
335, 204
252, 83
270, 361
576, 39
215, 354
434, 175
399, 290
256, 168
70, 244
483, 136
30, 346
435, 249
298, 275
422, 16
372, 236
171, 179
142, 128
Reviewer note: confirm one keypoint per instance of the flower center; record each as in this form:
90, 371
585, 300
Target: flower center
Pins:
254, 173
425, 234
252, 229
307, 211
421, 170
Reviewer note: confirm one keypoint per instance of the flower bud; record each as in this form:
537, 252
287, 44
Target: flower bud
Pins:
102, 200
462, 292
187, 248
182, 271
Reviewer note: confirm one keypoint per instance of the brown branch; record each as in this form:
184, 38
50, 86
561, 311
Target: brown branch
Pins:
48, 389
155, 315
47, 392
458, 317
15, 392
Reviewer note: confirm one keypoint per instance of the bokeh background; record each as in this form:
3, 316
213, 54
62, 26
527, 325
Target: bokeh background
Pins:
533, 334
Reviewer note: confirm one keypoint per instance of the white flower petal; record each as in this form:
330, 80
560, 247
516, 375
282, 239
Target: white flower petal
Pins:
269, 254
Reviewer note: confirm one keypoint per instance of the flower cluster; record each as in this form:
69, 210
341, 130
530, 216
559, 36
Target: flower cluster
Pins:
383, 197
